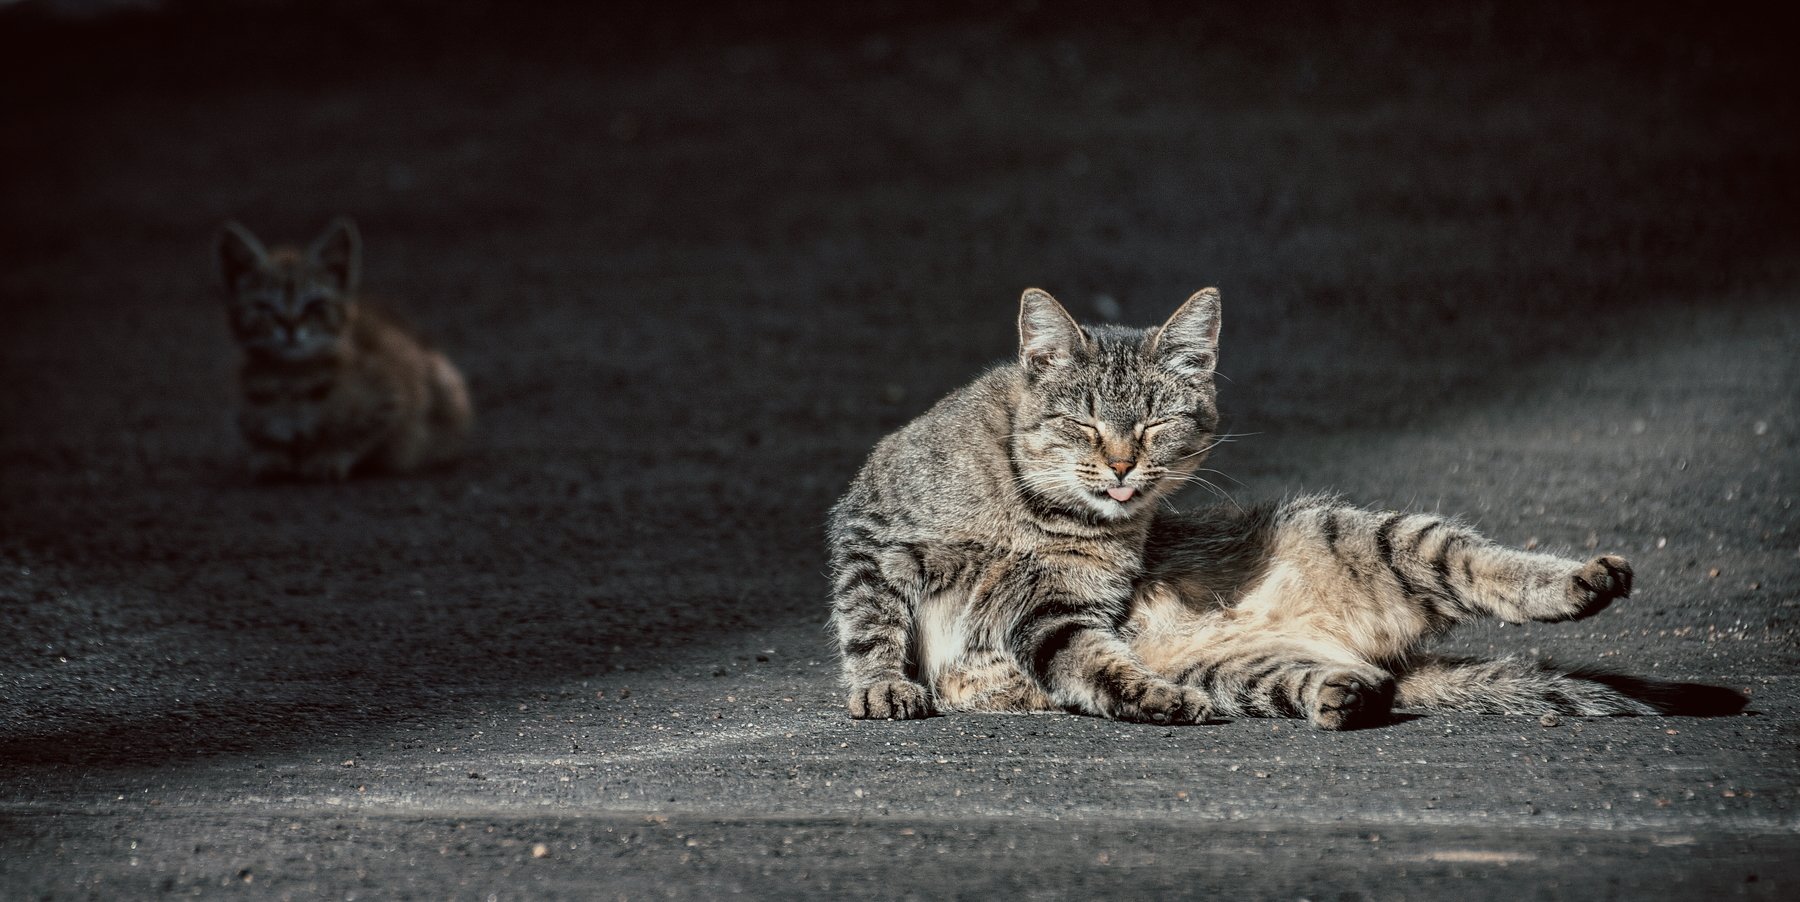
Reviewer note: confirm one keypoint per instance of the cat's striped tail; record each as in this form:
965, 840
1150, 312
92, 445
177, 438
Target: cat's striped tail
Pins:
1512, 686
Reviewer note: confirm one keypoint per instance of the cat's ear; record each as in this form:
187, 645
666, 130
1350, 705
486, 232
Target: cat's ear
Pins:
239, 253
339, 253
1189, 342
1048, 335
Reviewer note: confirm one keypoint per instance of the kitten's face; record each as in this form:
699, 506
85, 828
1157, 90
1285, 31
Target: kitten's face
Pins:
1115, 418
286, 303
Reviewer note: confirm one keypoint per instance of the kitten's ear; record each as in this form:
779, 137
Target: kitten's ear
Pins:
1189, 342
239, 253
1048, 335
339, 253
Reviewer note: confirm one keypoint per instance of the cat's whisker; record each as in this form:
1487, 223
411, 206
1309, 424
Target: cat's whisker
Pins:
1200, 451
1223, 475
1208, 484
1216, 442
1223, 494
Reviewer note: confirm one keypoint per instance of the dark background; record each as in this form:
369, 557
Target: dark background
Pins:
1530, 263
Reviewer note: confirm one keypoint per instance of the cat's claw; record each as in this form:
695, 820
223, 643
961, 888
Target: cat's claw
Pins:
890, 700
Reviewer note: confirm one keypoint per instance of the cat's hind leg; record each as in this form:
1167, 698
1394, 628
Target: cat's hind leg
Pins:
1245, 668
448, 413
1441, 569
1280, 678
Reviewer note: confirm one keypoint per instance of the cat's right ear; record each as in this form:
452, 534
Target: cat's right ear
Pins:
1048, 335
239, 253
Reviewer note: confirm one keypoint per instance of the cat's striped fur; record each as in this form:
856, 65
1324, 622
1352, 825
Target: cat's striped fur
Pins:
1317, 609
330, 385
1004, 552
985, 557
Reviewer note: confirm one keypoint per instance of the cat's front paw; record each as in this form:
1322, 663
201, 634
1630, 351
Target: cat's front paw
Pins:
890, 700
1597, 584
1165, 702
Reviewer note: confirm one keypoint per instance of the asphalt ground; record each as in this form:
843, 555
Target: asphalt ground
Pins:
1531, 265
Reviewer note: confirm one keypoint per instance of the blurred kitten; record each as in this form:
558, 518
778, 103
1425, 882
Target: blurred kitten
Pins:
331, 386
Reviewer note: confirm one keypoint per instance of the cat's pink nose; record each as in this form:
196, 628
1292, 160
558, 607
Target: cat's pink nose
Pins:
1121, 467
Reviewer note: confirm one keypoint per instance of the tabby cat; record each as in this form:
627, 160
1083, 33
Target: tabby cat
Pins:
330, 386
1006, 552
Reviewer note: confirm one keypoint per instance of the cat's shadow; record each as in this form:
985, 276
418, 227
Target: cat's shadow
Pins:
1672, 698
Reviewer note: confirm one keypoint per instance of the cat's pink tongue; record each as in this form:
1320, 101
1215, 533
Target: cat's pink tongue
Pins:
1121, 493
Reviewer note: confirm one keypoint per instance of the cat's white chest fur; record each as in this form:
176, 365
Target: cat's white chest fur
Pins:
942, 625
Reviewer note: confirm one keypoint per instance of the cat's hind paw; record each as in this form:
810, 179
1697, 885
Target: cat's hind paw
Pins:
1347, 699
1597, 584
890, 700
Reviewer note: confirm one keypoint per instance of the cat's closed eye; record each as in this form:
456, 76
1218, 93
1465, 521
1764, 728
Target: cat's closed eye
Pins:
1088, 429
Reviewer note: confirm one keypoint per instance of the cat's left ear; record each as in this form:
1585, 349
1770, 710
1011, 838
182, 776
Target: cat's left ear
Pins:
1189, 342
339, 253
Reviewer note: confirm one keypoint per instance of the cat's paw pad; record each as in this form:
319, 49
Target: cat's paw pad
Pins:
1350, 698
890, 700
1597, 584
1168, 703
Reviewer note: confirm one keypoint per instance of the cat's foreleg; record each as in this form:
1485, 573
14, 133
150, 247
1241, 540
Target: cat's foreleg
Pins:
875, 626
